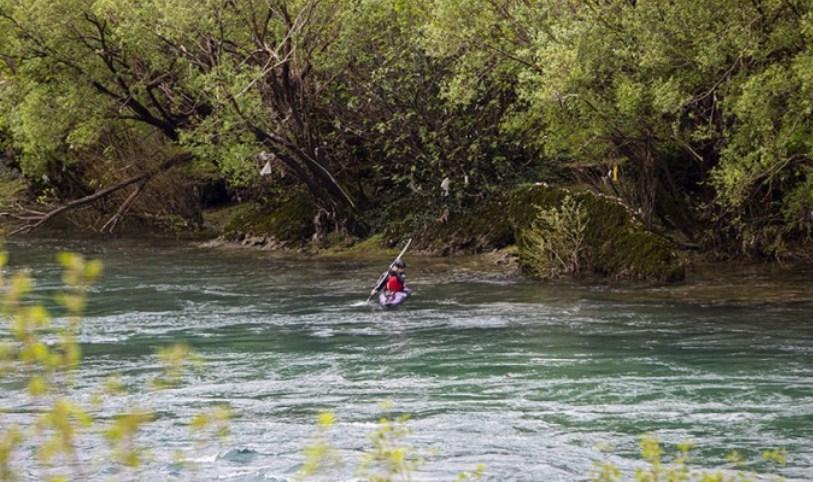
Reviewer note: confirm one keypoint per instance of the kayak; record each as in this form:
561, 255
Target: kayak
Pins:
393, 299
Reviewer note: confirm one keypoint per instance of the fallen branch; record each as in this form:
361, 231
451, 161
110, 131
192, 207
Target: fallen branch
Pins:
36, 221
111, 223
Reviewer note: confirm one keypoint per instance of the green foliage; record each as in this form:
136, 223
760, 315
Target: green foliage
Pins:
722, 87
46, 371
216, 420
47, 102
391, 112
797, 209
475, 474
614, 242
51, 122
287, 219
706, 108
388, 459
11, 192
320, 456
10, 440
175, 360
777, 456
483, 227
554, 244
122, 436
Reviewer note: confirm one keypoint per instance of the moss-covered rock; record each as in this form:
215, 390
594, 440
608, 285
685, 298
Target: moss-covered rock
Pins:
288, 222
616, 245
483, 228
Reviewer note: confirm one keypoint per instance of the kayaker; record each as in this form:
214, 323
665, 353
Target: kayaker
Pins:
395, 281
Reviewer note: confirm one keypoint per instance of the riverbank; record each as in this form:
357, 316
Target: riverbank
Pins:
512, 233
548, 232
710, 282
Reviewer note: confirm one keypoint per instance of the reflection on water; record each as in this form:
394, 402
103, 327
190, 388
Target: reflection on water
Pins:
527, 378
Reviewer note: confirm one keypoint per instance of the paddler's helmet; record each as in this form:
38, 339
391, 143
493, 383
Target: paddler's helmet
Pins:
399, 263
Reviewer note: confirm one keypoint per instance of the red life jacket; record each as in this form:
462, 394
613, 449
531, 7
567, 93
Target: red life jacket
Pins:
394, 284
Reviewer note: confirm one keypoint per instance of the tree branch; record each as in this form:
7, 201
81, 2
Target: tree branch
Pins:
111, 223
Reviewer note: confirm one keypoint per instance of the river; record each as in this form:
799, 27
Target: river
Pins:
534, 380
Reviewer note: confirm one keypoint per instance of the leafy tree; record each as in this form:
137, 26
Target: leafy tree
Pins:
333, 93
262, 66
695, 115
217, 81
683, 97
419, 147
73, 78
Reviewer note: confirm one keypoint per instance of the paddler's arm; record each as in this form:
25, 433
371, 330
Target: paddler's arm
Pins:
381, 284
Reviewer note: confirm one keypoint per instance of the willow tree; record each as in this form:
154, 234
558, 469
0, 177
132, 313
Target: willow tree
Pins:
217, 81
683, 96
73, 81
419, 155
347, 100
263, 66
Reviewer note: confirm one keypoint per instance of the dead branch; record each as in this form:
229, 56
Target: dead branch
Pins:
111, 223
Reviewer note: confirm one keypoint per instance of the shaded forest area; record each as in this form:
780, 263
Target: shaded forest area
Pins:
403, 117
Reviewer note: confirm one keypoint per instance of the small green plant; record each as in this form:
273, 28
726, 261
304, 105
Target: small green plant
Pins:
47, 196
175, 361
475, 474
554, 244
11, 190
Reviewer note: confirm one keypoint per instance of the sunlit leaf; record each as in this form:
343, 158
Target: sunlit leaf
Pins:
326, 419
37, 386
777, 456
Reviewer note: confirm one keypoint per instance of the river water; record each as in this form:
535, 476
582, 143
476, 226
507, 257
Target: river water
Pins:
536, 381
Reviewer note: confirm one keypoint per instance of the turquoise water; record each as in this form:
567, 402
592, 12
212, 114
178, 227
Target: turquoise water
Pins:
536, 381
